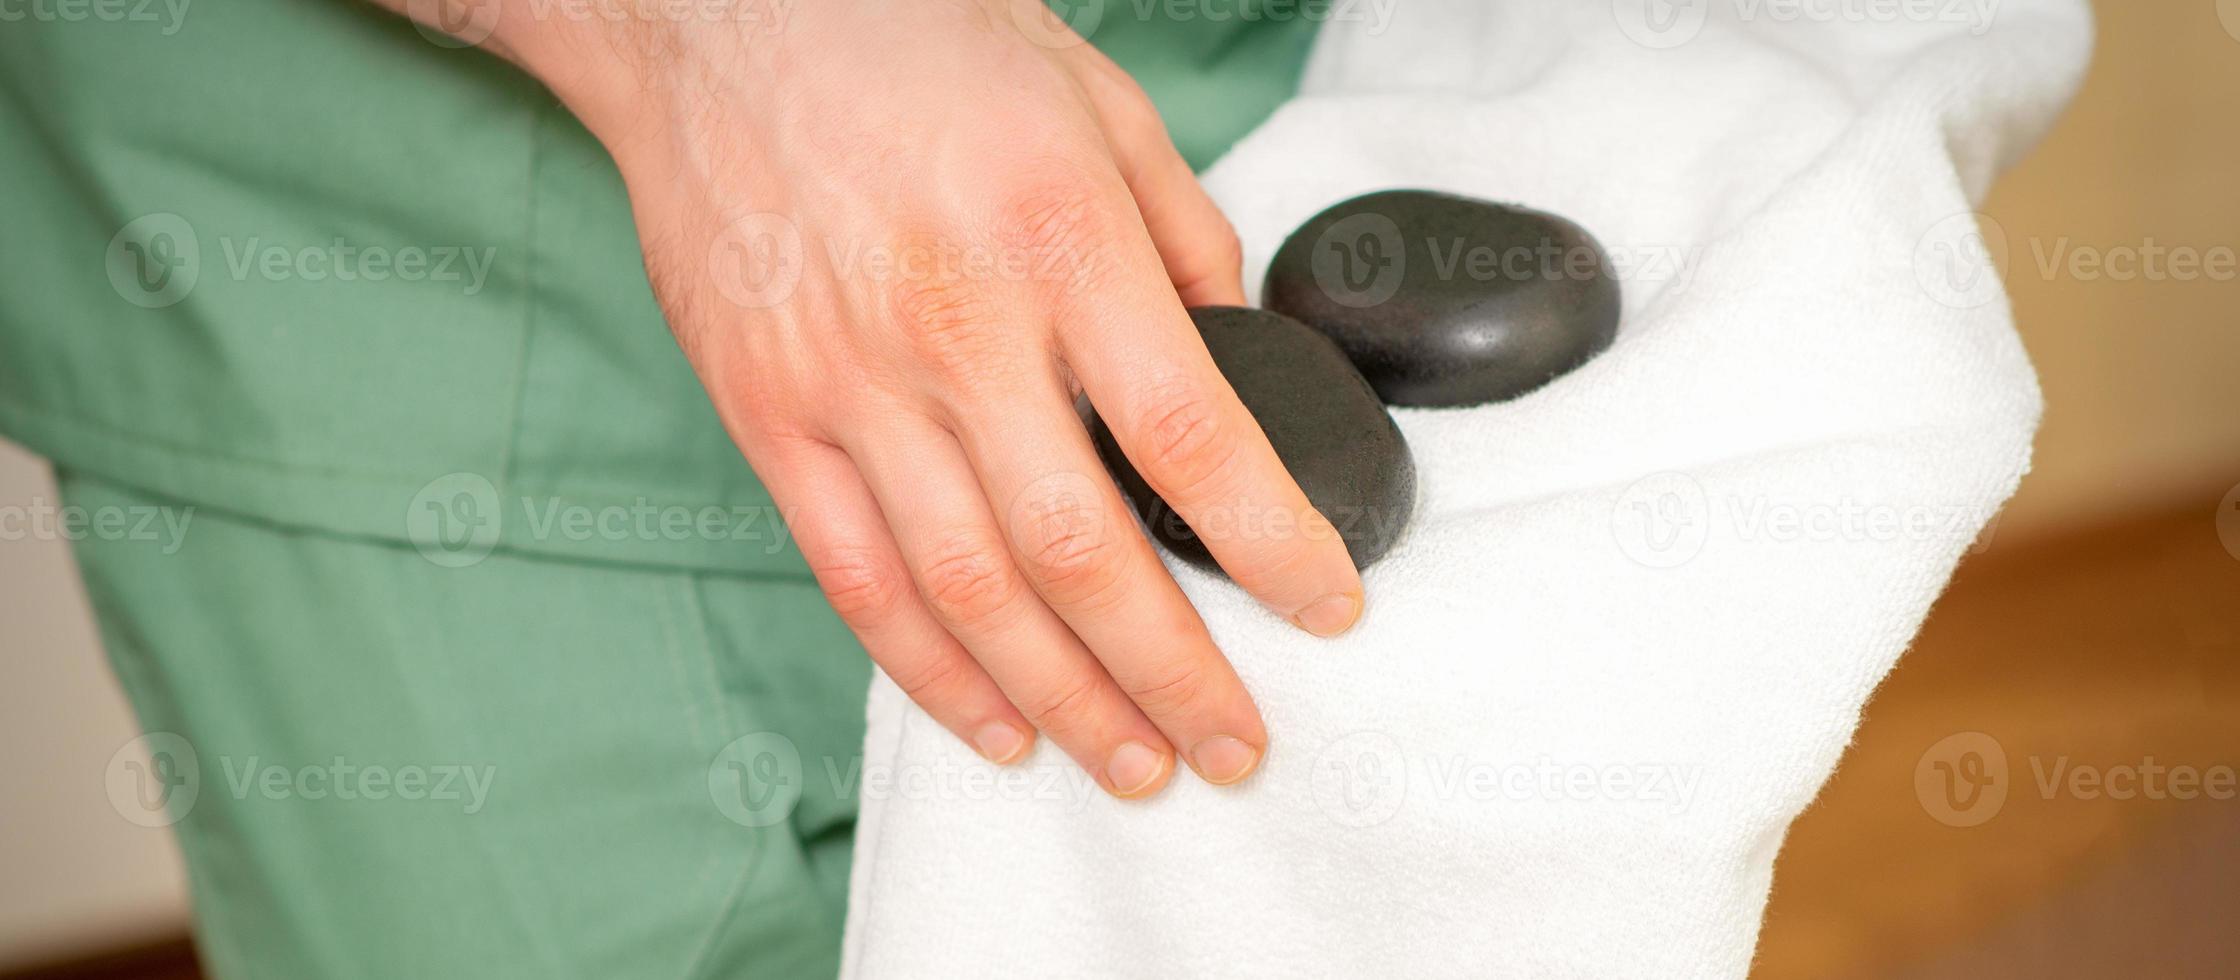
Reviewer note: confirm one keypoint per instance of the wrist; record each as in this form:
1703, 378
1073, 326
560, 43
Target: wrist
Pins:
616, 64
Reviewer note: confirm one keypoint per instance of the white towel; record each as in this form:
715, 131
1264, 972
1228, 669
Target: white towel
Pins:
1632, 627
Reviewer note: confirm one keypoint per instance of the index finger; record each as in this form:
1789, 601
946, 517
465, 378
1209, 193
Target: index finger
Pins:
1145, 369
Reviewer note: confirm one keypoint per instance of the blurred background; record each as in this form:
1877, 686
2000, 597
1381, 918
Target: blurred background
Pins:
2044, 788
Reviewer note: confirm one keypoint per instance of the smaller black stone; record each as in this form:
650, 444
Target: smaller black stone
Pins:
1322, 418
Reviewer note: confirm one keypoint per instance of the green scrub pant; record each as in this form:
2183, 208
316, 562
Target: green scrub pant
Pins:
546, 755
379, 766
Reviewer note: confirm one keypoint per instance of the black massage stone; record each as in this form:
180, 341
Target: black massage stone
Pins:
1445, 301
1324, 421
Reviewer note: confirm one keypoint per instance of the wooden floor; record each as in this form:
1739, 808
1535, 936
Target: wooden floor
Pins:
169, 960
2110, 651
2106, 655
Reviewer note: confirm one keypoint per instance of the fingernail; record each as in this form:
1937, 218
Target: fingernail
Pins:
1133, 768
1330, 615
999, 742
1223, 760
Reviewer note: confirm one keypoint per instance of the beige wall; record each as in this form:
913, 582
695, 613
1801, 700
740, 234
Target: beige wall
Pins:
74, 874
2139, 372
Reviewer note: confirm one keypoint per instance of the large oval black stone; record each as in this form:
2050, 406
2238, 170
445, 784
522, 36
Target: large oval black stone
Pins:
1443, 300
1324, 422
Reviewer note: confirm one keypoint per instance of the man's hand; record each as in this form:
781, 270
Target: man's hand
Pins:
896, 238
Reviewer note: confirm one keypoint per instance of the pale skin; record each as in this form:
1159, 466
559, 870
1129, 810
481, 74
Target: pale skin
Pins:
915, 420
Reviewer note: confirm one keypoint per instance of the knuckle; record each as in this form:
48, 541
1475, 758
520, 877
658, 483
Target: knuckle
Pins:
1181, 430
859, 586
1069, 547
1172, 690
1064, 707
968, 583
1053, 215
927, 679
952, 324
941, 312
1058, 237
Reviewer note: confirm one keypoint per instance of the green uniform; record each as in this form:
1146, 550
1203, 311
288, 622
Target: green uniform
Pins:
461, 518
